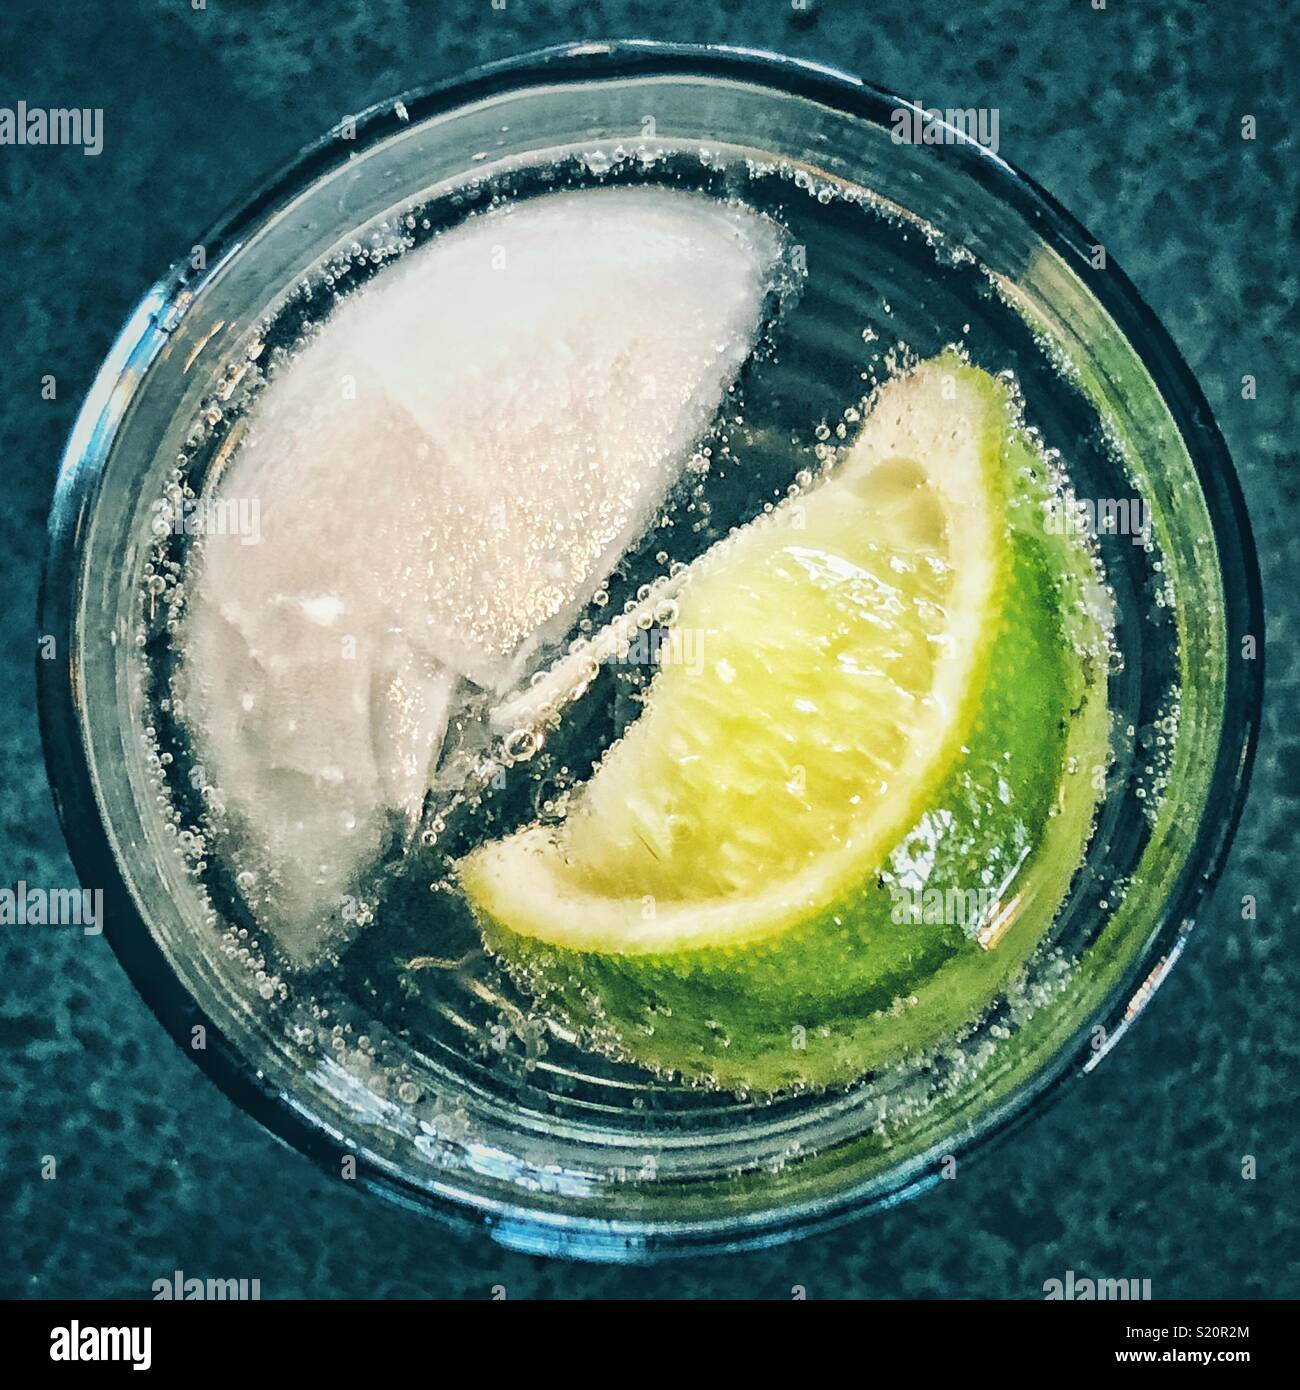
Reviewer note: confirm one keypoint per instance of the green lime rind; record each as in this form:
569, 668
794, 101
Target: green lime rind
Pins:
827, 999
853, 982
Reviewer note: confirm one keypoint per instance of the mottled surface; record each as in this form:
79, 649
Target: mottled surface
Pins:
1131, 115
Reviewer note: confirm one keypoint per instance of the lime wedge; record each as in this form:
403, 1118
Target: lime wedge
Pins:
717, 901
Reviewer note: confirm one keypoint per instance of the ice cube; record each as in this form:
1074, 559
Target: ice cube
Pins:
444, 476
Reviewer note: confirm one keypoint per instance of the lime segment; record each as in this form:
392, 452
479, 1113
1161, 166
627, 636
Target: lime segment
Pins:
719, 885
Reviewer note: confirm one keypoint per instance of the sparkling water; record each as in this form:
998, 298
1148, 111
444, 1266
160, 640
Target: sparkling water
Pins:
323, 856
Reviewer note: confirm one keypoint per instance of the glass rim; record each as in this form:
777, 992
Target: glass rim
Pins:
60, 709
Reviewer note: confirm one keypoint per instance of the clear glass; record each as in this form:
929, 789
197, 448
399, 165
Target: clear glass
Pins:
570, 1156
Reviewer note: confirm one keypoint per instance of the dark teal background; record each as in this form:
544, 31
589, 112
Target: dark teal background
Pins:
1130, 115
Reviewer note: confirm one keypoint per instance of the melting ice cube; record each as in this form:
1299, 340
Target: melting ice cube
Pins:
444, 476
